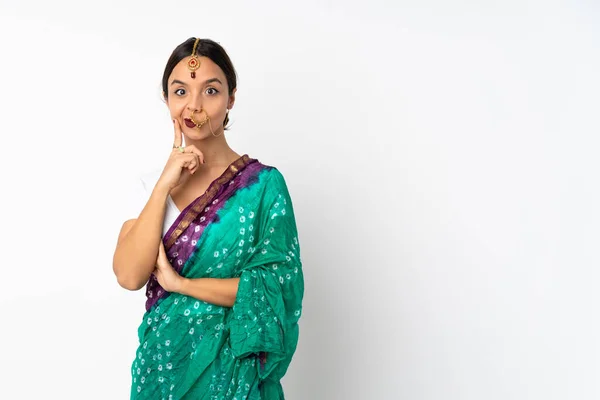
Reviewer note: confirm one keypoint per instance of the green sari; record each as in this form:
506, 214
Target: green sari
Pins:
243, 226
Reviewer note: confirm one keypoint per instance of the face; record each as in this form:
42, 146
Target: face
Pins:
208, 93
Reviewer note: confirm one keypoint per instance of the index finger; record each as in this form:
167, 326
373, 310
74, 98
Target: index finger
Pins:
178, 141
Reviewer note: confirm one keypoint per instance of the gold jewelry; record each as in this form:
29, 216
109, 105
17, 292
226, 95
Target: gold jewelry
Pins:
194, 62
199, 124
181, 149
207, 119
213, 132
226, 118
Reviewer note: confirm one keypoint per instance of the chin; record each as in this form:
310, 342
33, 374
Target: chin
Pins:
198, 134
195, 134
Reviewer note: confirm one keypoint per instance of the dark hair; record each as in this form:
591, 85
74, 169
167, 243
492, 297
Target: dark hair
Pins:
205, 48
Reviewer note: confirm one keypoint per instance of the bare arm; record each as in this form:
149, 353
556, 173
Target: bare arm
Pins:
220, 292
139, 239
137, 246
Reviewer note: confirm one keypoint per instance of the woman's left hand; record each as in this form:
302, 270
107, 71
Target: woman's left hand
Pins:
166, 275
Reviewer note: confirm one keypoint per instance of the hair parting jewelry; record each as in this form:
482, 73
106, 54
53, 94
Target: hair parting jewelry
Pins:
194, 62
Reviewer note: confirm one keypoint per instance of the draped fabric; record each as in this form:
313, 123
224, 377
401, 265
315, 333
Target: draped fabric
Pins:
243, 226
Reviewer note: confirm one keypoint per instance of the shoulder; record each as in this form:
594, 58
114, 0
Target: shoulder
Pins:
272, 174
273, 184
272, 177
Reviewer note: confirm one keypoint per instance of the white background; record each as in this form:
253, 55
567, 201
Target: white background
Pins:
441, 157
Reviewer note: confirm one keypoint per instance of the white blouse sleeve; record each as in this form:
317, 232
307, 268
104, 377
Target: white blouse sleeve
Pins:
136, 199
140, 191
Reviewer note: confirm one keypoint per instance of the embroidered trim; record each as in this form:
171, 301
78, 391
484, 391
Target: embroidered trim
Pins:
201, 202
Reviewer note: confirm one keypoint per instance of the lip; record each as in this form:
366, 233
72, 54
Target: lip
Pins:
189, 123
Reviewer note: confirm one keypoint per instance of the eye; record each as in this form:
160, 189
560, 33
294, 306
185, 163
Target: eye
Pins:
178, 92
211, 91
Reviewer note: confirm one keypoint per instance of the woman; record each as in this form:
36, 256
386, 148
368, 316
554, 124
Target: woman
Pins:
217, 248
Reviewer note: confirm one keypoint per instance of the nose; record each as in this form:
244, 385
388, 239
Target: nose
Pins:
195, 103
193, 109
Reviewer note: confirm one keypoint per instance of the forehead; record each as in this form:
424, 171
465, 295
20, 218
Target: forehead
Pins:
208, 69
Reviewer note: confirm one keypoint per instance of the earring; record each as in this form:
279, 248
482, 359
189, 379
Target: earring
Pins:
226, 118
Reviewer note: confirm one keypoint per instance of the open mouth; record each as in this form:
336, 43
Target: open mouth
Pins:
192, 123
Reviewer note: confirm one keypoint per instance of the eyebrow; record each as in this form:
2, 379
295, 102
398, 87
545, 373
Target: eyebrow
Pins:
206, 82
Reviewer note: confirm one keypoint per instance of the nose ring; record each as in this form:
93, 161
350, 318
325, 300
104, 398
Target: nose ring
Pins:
199, 124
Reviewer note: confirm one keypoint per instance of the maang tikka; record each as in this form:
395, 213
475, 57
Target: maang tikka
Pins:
194, 62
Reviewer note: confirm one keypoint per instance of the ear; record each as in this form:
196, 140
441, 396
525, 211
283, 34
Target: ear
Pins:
231, 99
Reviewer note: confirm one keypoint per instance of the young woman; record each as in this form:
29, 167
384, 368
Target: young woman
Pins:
216, 247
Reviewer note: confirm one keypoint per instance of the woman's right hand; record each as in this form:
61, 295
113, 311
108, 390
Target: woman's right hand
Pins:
180, 166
